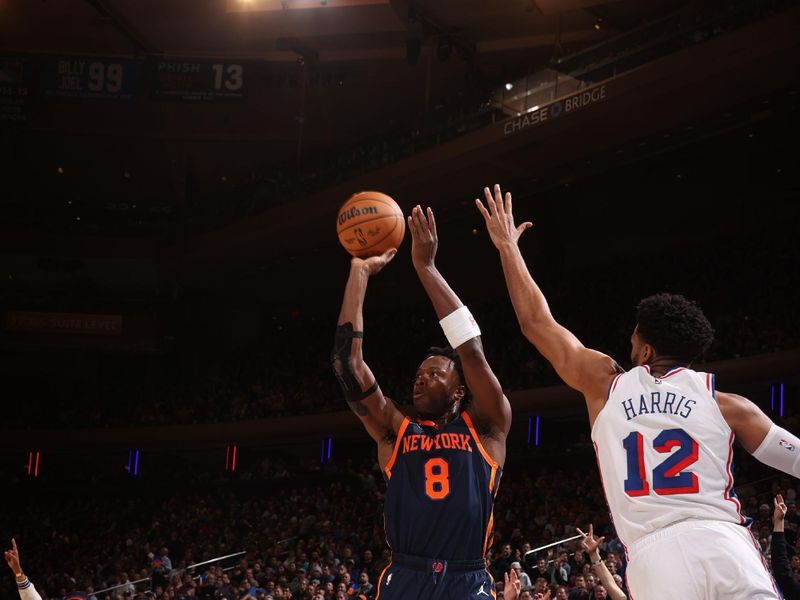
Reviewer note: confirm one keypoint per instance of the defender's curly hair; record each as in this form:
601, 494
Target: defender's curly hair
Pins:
448, 352
674, 326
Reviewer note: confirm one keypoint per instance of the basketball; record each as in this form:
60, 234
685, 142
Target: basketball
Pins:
369, 223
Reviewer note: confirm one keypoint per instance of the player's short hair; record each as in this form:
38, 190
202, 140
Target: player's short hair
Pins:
674, 326
448, 352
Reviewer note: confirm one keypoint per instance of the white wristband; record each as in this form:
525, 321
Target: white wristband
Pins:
459, 326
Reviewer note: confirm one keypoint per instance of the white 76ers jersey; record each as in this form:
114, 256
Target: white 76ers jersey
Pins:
664, 452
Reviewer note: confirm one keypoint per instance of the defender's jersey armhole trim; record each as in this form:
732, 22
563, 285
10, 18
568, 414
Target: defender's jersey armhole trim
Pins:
400, 432
711, 385
704, 377
468, 420
613, 385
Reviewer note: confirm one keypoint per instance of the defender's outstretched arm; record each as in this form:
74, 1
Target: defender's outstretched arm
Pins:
586, 370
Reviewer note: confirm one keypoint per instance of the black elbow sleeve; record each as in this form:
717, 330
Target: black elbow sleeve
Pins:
342, 366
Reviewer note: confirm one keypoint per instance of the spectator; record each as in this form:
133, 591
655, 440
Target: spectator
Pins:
364, 586
607, 586
578, 590
503, 563
126, 587
560, 569
24, 586
781, 569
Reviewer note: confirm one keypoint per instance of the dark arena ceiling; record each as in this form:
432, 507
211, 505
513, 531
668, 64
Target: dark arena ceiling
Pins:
225, 133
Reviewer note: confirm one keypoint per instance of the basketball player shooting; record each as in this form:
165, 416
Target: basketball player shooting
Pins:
663, 437
442, 467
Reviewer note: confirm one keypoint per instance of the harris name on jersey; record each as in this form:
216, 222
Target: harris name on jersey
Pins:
667, 403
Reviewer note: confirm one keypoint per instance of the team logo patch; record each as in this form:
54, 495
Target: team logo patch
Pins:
786, 444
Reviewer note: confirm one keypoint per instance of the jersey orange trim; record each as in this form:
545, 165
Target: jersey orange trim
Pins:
487, 458
492, 479
380, 579
388, 468
488, 533
491, 579
428, 424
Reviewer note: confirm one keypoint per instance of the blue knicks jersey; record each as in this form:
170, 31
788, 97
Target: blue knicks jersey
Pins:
441, 486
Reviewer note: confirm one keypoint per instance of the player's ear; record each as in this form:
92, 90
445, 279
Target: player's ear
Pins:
648, 354
459, 393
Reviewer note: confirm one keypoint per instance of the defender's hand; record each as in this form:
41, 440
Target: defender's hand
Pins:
424, 240
373, 264
499, 218
12, 557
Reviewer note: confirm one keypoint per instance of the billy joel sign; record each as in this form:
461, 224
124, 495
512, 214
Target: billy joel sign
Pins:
555, 110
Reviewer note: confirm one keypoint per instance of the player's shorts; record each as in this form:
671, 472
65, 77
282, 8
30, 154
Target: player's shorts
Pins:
699, 560
421, 578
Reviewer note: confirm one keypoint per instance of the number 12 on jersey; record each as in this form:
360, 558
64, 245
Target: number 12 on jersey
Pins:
669, 476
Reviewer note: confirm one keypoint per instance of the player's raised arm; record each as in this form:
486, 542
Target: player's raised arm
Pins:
586, 370
490, 405
379, 415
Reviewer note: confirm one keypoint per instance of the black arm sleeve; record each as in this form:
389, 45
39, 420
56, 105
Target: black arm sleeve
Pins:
340, 361
781, 569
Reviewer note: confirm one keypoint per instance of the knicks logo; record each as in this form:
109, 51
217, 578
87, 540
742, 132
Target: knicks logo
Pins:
425, 443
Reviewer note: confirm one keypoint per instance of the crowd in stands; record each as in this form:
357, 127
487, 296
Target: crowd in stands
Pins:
316, 533
287, 371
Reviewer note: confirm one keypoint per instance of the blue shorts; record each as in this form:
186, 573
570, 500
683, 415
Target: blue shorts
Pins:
421, 578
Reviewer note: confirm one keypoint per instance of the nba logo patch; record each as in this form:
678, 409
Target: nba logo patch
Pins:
786, 444
389, 578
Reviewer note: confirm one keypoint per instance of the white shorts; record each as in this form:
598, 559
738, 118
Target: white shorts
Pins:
699, 560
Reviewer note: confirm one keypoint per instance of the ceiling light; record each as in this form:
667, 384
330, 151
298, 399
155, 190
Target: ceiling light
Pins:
509, 86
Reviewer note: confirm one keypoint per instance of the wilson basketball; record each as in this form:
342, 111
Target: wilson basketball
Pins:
369, 223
